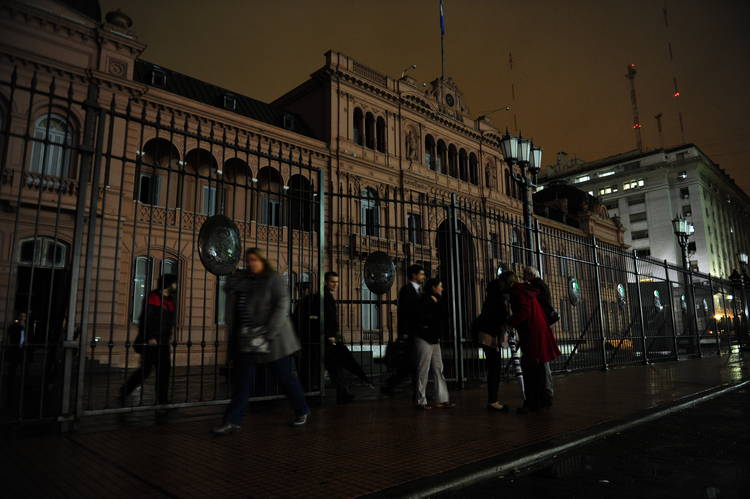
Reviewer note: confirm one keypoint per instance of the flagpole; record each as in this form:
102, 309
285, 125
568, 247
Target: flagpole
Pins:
442, 42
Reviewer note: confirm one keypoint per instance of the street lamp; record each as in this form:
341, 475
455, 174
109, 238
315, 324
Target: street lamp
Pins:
683, 229
521, 152
744, 282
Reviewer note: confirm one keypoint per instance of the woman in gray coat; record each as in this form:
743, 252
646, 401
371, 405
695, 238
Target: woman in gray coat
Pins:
262, 333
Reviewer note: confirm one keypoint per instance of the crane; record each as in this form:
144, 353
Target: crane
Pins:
634, 102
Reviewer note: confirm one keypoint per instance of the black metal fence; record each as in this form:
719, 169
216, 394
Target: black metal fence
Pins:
103, 192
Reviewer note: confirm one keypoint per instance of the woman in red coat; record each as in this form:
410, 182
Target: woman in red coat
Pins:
536, 340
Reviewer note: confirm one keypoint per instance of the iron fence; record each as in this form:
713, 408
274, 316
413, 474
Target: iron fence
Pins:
104, 192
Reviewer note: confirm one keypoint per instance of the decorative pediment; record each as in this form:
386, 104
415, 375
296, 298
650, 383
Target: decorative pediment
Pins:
447, 97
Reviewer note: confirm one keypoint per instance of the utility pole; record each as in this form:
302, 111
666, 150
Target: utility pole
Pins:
658, 129
634, 102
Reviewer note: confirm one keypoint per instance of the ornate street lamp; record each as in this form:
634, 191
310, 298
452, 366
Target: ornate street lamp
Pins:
743, 285
521, 152
683, 229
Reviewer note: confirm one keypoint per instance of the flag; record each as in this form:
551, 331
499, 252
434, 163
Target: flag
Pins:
442, 18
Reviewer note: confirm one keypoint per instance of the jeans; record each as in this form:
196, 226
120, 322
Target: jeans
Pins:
152, 356
430, 360
245, 370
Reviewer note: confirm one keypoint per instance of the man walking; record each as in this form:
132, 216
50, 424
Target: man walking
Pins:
409, 301
152, 343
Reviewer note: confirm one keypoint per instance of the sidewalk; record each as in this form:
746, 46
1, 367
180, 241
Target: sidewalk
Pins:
374, 447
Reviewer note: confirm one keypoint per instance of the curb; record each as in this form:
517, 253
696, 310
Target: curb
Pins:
457, 479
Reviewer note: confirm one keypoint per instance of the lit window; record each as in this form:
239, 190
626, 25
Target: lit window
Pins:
584, 178
608, 190
634, 184
607, 174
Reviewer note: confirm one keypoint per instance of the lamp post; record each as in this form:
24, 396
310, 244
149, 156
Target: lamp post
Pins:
522, 152
683, 229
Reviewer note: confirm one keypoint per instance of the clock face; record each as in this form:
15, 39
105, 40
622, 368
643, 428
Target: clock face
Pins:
449, 100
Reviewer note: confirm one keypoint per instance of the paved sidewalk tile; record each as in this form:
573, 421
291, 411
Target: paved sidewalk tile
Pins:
344, 451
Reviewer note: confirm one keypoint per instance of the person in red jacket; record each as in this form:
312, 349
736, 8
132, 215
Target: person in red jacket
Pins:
537, 343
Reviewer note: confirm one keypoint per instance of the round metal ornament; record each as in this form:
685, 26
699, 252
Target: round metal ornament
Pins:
574, 291
380, 272
219, 245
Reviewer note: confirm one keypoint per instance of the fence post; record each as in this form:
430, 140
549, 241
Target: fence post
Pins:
671, 310
713, 307
600, 311
321, 273
693, 311
539, 262
456, 292
70, 345
640, 308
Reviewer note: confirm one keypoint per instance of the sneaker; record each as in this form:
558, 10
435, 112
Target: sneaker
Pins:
226, 429
301, 420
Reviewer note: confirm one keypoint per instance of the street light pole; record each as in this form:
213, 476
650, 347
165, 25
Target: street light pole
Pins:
521, 152
683, 229
745, 322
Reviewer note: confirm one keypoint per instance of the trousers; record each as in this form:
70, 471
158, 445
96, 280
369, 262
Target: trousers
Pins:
430, 360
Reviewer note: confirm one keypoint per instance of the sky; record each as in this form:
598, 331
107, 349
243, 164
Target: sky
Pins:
569, 60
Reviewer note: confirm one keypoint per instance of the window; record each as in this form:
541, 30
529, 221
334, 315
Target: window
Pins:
270, 212
633, 200
358, 127
381, 134
221, 301
517, 253
643, 252
473, 169
607, 173
369, 216
611, 205
442, 157
687, 210
638, 217
370, 131
681, 155
51, 159
429, 153
452, 161
141, 283
158, 78
583, 178
463, 170
209, 200
685, 193
639, 234
495, 245
608, 190
288, 121
370, 315
230, 102
414, 224
633, 184
42, 252
508, 183
148, 188
169, 266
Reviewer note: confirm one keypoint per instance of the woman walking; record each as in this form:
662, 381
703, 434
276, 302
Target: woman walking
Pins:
433, 318
492, 325
536, 340
262, 333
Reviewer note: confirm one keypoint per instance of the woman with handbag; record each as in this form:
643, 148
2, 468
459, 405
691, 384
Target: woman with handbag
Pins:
262, 333
492, 333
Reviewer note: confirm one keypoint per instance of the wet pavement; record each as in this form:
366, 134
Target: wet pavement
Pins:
701, 452
382, 447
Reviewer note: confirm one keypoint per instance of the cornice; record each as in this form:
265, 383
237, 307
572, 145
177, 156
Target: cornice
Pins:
49, 20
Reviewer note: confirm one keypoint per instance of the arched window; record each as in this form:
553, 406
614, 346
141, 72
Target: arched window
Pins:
269, 192
370, 309
159, 157
370, 131
202, 166
463, 166
300, 203
452, 161
473, 173
381, 134
42, 252
359, 125
369, 213
52, 160
442, 163
429, 152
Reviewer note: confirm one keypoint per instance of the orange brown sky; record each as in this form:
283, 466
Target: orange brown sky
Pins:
569, 58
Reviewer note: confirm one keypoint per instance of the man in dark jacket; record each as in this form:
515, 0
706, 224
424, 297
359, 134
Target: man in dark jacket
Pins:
407, 313
155, 329
338, 357
16, 343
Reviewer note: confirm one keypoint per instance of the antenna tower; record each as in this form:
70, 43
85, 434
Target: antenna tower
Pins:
634, 102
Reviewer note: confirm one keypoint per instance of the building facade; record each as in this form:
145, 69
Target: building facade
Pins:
646, 190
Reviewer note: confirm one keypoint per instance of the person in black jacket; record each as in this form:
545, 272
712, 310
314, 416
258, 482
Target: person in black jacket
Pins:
491, 326
155, 329
432, 322
338, 357
409, 298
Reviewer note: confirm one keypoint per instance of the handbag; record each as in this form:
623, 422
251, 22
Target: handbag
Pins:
253, 339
